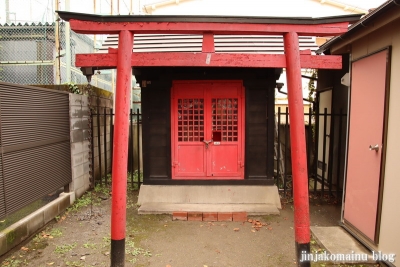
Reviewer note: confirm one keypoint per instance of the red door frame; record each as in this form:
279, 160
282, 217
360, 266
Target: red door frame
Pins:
196, 89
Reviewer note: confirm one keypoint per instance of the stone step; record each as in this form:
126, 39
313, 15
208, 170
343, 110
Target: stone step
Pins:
339, 243
210, 194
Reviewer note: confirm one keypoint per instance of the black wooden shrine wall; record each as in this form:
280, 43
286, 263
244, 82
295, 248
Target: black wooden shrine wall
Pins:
259, 132
156, 86
156, 131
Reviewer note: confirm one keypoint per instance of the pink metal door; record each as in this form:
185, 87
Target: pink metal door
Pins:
207, 130
365, 148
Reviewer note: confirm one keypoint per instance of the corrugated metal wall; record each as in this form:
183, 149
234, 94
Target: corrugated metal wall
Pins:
35, 144
2, 202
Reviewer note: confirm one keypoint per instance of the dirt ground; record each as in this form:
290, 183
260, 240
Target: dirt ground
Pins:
81, 237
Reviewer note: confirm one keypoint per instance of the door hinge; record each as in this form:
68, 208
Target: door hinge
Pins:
241, 164
174, 164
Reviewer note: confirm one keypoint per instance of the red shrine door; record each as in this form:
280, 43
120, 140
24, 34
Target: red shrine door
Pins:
207, 119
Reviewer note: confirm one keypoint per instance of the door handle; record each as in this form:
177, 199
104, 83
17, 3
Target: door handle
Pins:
207, 142
375, 147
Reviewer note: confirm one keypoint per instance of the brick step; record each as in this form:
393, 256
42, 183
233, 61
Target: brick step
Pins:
240, 216
169, 208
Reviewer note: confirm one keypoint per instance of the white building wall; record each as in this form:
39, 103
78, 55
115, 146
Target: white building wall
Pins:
288, 8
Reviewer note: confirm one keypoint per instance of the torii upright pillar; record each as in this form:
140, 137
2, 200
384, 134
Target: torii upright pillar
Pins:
120, 149
298, 145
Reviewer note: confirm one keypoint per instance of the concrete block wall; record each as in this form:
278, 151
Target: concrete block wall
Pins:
80, 145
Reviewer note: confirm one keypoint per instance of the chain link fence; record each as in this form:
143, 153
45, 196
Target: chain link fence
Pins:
29, 55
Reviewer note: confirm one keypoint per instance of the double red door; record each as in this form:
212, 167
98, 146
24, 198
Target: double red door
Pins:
207, 130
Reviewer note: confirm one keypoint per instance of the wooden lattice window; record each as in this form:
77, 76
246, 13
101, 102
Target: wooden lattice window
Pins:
190, 120
225, 119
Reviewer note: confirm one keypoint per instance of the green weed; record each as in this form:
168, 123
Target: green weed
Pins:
89, 198
135, 251
102, 189
64, 248
11, 262
37, 239
55, 232
89, 245
136, 177
106, 241
74, 263
84, 201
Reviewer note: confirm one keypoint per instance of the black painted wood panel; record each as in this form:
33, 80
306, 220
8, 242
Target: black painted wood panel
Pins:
156, 132
259, 130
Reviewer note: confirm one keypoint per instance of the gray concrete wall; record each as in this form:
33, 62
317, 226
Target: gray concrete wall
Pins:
80, 145
80, 140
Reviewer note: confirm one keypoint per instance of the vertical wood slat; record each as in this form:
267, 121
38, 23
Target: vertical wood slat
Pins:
132, 165
93, 181
339, 156
105, 145
111, 137
324, 152
256, 135
138, 144
156, 154
317, 115
98, 141
286, 148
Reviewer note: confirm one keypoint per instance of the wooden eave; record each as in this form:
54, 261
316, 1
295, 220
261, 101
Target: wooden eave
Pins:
387, 12
98, 24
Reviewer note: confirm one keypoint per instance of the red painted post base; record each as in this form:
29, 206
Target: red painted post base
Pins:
302, 254
118, 253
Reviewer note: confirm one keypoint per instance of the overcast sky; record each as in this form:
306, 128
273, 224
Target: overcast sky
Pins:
42, 10
365, 4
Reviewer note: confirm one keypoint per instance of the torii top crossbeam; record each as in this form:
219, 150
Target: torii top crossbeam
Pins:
106, 24
208, 26
123, 58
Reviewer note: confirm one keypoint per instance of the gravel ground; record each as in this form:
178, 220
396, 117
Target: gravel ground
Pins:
81, 237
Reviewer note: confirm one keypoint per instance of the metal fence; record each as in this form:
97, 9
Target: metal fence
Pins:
325, 140
134, 170
29, 55
35, 153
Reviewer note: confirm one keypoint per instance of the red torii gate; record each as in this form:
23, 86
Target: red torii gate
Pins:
123, 59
